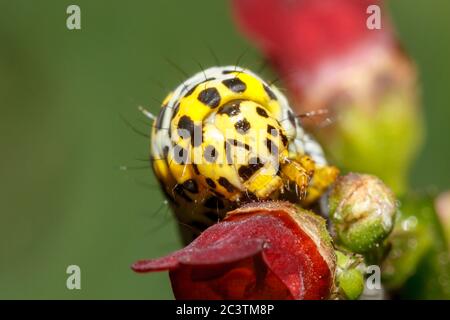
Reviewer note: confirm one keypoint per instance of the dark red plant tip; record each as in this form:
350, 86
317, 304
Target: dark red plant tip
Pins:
308, 32
263, 251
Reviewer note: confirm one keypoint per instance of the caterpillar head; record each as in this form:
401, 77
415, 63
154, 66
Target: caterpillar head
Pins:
226, 131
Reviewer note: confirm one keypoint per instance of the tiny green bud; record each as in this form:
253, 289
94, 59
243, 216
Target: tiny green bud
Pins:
349, 277
362, 209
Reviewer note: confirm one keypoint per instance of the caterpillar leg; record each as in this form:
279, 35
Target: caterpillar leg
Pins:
300, 172
323, 177
310, 179
263, 185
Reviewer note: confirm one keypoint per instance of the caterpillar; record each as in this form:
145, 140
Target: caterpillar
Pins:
224, 137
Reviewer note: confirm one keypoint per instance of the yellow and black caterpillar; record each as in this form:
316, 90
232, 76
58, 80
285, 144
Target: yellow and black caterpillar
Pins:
225, 136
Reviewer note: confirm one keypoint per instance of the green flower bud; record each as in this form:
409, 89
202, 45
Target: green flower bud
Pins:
378, 123
382, 142
362, 209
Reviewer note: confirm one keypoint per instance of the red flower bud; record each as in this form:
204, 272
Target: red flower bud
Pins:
269, 250
330, 58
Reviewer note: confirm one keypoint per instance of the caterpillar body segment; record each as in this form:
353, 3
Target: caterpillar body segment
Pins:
225, 136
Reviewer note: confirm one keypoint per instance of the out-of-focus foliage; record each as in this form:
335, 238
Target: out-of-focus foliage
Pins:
418, 263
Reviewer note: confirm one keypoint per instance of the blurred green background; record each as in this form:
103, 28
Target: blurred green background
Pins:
63, 198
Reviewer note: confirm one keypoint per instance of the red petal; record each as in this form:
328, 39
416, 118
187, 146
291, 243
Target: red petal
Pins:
260, 255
